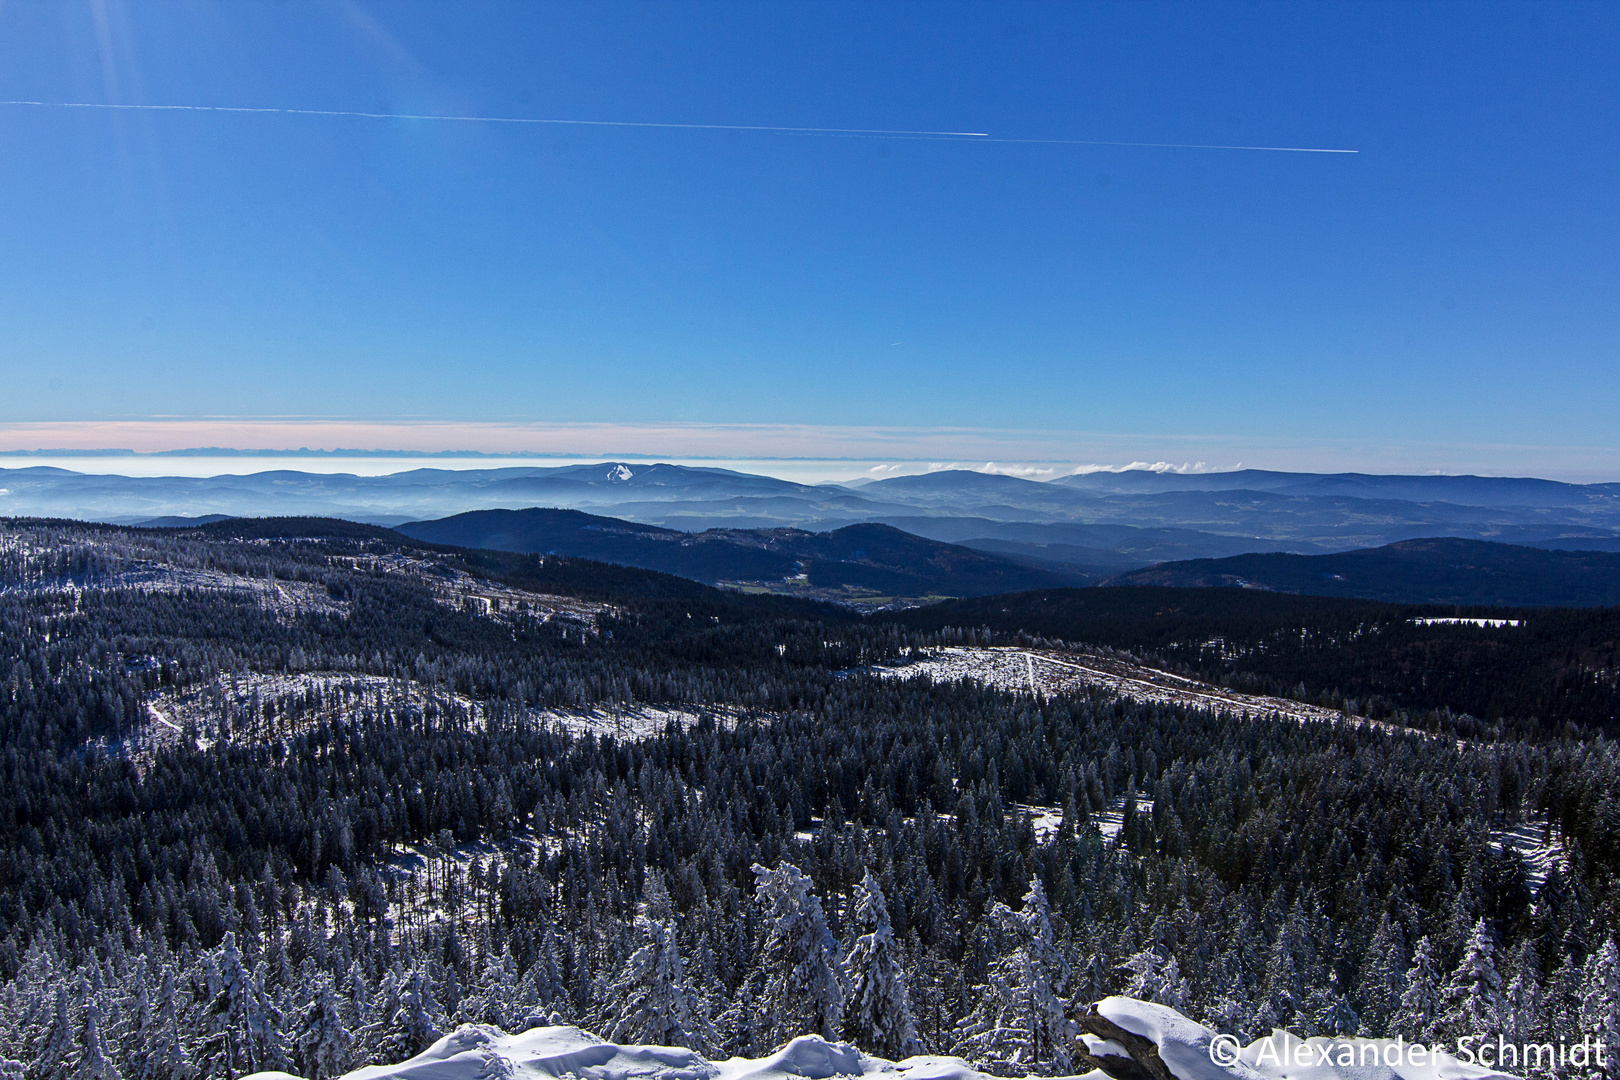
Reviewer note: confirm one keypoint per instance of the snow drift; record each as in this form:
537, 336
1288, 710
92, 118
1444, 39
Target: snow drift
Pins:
1128, 1039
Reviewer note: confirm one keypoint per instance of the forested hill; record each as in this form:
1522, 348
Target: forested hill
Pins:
1438, 571
1555, 666
299, 796
564, 574
865, 559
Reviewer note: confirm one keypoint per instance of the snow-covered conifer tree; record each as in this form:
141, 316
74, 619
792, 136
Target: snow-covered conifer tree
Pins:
878, 1018
651, 1001
224, 1044
1420, 1001
1020, 1018
1523, 1002
266, 1043
803, 992
93, 1062
1150, 977
1285, 986
418, 1021
1383, 979
1472, 999
1562, 1000
168, 1059
53, 1059
324, 1045
1600, 1002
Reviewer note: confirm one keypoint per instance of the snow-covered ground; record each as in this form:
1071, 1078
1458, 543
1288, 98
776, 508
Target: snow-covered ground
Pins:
285, 598
145, 565
1536, 844
1184, 1046
460, 590
1112, 820
253, 706
1045, 671
1186, 1049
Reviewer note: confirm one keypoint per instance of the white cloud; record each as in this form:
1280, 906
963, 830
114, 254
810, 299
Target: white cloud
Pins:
1183, 469
811, 451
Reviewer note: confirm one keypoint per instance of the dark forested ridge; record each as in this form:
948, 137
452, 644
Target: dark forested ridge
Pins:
1444, 570
1558, 666
866, 558
297, 795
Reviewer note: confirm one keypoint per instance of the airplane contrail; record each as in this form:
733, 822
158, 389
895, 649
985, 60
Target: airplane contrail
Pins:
849, 133
1172, 145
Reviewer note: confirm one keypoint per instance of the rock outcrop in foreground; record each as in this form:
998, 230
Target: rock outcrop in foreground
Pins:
1119, 1039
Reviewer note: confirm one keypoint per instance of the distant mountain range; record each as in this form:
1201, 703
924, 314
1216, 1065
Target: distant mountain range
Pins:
1437, 571
871, 562
1097, 524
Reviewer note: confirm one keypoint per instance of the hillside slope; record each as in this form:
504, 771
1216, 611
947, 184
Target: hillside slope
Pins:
1440, 571
868, 558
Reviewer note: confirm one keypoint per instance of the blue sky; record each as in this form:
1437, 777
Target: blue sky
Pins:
1448, 297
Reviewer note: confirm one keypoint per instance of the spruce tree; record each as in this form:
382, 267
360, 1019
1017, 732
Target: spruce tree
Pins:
1523, 1003
803, 991
1019, 1019
418, 1021
878, 1018
651, 1001
1383, 979
324, 1045
1471, 1002
169, 1059
1600, 1002
93, 1062
1421, 1001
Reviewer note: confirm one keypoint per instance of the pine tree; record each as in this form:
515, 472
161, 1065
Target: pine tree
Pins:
651, 1001
1421, 1001
878, 1018
803, 992
1472, 999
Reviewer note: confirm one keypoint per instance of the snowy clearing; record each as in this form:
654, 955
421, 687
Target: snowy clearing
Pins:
1536, 844
1050, 672
1112, 820
461, 591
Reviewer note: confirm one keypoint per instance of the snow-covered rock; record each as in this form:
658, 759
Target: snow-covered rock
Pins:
477, 1052
1124, 1038
1165, 1045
